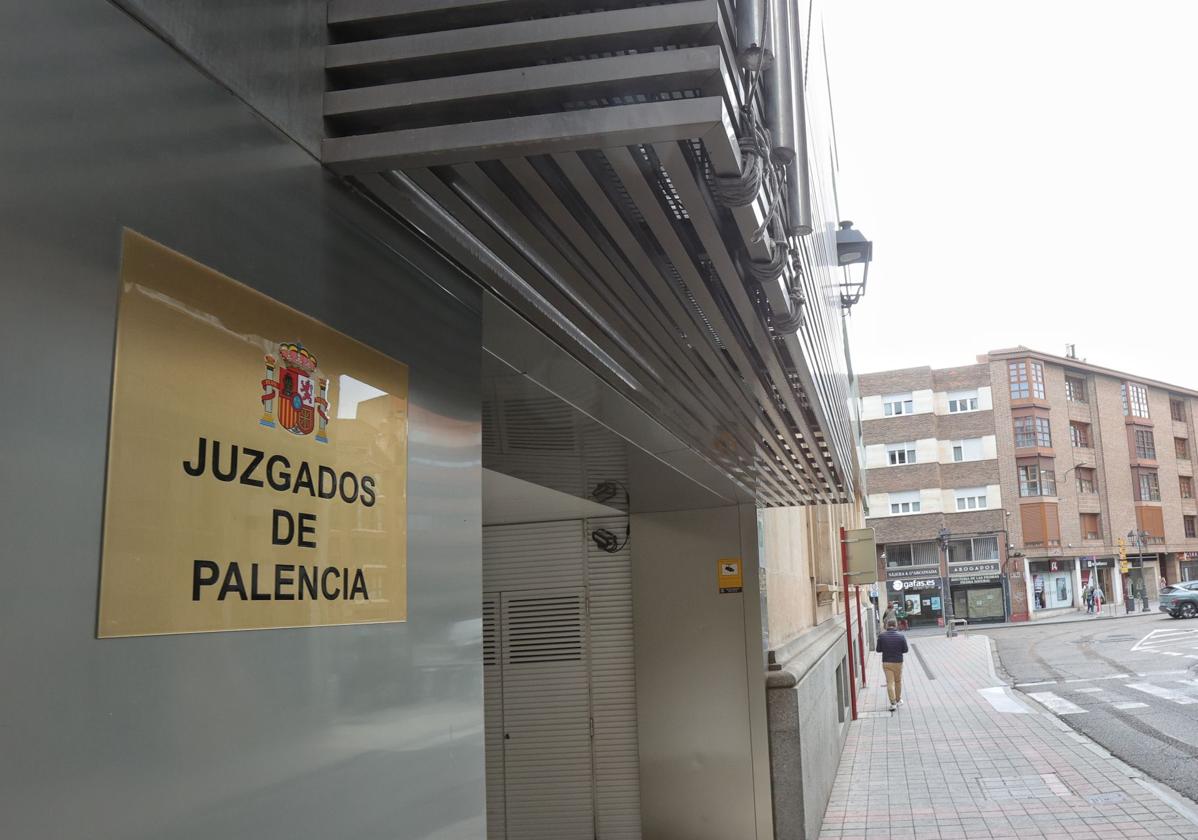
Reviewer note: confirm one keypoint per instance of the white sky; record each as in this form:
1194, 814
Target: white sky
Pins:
1026, 171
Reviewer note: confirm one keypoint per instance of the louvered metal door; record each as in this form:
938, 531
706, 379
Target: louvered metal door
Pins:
521, 563
493, 717
548, 775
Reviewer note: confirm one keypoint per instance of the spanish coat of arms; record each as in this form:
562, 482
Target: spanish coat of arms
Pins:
300, 392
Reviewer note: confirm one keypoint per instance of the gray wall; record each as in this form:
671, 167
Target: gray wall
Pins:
699, 678
350, 732
808, 723
268, 52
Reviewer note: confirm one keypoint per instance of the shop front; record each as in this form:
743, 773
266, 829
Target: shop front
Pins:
975, 579
1099, 571
1052, 584
1188, 566
916, 595
1141, 580
977, 591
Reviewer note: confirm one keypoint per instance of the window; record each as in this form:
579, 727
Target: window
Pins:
1148, 486
897, 404
1187, 486
985, 548
898, 556
1036, 478
973, 551
911, 554
1027, 379
900, 453
1177, 410
1135, 399
967, 450
1075, 389
973, 498
1079, 435
1091, 526
1085, 481
1032, 431
1189, 523
962, 401
1145, 445
906, 502
1181, 448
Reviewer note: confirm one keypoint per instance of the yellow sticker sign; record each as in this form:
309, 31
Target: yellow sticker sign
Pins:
729, 574
257, 462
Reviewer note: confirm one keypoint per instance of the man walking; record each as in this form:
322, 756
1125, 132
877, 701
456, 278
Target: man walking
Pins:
892, 645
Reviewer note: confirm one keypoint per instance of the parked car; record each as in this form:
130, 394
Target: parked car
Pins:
1180, 600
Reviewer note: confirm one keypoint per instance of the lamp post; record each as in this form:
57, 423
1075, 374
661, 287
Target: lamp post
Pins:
1141, 539
950, 630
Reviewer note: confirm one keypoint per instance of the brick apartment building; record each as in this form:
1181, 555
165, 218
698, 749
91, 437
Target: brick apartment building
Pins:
1035, 467
931, 461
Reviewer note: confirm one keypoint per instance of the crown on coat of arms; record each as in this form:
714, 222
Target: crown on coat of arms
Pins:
297, 356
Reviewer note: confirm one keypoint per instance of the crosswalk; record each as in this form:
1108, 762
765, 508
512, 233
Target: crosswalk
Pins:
1170, 642
1124, 696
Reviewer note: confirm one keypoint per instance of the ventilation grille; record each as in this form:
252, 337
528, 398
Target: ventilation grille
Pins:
537, 425
490, 636
544, 629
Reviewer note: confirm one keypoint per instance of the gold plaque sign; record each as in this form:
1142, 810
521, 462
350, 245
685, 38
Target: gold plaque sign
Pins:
257, 462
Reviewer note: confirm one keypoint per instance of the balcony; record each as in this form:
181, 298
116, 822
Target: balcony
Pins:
599, 170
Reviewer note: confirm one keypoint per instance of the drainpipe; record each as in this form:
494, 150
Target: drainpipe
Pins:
750, 23
779, 86
798, 173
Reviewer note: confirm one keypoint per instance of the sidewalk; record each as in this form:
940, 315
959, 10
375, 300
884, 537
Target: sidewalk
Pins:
1108, 612
964, 757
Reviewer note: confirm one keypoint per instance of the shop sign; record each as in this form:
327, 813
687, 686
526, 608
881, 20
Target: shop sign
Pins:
922, 583
1097, 563
257, 462
911, 572
973, 570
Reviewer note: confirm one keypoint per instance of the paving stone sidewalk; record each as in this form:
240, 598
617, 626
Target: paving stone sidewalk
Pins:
949, 764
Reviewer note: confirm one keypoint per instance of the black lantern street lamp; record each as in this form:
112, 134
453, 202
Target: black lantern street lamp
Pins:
852, 248
945, 585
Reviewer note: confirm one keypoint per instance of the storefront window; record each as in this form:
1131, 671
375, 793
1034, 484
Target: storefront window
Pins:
1052, 589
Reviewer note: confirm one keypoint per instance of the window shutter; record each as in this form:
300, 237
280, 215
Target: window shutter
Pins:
1151, 519
1032, 519
1052, 524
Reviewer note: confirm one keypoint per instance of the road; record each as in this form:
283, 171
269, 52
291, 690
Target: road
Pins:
1131, 684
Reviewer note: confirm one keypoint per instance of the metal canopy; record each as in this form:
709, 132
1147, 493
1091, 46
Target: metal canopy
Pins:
567, 158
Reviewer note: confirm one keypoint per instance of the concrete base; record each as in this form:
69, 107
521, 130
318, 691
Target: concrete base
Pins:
807, 704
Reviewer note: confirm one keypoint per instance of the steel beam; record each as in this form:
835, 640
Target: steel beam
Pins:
450, 99
621, 125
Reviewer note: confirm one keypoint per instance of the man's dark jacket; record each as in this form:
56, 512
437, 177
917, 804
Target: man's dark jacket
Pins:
892, 645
